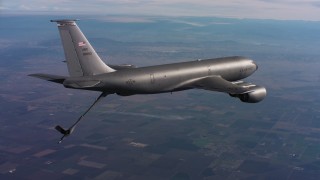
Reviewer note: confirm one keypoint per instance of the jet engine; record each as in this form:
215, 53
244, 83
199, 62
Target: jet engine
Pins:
257, 94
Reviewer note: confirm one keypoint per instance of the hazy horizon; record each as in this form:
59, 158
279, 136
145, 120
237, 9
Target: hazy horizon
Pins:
253, 9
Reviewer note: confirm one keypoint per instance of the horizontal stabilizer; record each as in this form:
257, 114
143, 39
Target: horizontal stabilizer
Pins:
121, 67
78, 84
49, 77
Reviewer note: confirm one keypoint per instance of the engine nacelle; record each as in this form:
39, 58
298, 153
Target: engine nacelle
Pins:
257, 94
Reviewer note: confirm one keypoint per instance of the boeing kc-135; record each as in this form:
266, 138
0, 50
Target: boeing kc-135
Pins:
88, 72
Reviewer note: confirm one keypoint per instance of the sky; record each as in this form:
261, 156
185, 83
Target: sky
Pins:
253, 9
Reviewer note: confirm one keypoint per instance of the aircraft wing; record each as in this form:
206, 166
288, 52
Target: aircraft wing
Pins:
217, 83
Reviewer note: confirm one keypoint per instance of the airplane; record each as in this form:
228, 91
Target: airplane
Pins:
88, 72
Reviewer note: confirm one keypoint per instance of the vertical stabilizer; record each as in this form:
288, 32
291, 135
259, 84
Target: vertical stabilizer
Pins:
82, 59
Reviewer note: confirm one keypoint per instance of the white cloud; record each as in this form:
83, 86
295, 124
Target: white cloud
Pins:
265, 9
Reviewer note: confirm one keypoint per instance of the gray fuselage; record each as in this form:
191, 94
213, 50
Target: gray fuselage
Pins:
164, 78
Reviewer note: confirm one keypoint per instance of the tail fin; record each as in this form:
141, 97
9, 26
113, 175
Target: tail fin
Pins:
82, 59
